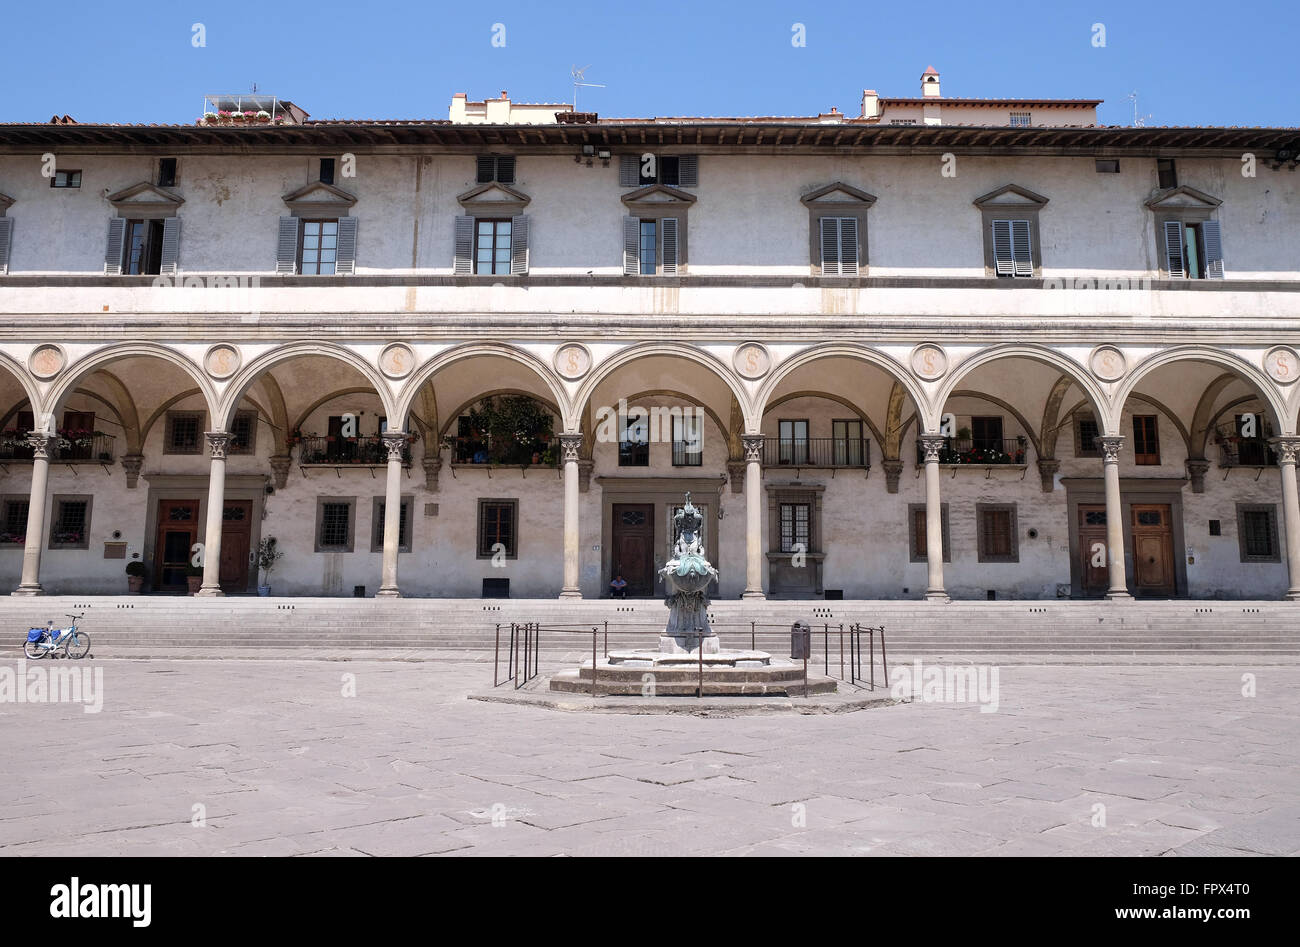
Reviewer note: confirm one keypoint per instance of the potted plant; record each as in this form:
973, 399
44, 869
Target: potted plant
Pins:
135, 573
263, 117
193, 577
267, 556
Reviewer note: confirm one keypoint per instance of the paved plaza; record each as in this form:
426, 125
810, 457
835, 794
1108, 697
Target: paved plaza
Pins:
274, 757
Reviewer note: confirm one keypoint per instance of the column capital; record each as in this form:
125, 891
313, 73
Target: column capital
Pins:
395, 444
218, 441
1286, 447
932, 444
571, 446
1110, 445
39, 442
1197, 468
753, 447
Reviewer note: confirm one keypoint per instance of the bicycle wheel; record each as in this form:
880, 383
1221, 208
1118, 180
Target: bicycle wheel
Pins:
77, 645
34, 650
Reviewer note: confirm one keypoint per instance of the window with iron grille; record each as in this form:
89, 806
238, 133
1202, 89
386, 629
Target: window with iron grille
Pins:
1257, 532
916, 529
634, 439
243, 433
1085, 436
70, 528
66, 179
1021, 119
326, 170
497, 521
1146, 440
796, 519
997, 537
498, 168
334, 523
13, 521
492, 246
403, 530
688, 440
184, 434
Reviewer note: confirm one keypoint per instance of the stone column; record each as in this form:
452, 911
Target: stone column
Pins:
395, 442
30, 584
1286, 448
217, 443
1110, 446
570, 444
753, 445
932, 444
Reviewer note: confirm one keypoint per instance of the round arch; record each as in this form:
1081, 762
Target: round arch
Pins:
827, 396
634, 353
1045, 356
24, 380
839, 350
1188, 353
249, 374
100, 358
410, 390
675, 393
449, 419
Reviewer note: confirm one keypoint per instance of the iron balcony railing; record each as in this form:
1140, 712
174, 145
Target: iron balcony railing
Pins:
817, 452
512, 453
967, 450
336, 450
64, 448
1235, 451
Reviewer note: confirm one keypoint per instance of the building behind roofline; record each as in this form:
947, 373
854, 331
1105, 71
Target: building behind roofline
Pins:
946, 347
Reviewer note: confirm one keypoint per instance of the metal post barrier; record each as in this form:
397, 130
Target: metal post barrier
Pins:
593, 661
699, 687
884, 660
873, 659
606, 640
854, 641
537, 650
496, 657
753, 646
842, 651
826, 649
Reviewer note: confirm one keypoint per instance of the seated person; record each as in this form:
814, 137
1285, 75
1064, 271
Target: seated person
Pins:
618, 586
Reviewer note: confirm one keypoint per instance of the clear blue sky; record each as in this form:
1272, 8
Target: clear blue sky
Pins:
1192, 63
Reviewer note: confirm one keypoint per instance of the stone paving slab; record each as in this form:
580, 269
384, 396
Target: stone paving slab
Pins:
280, 761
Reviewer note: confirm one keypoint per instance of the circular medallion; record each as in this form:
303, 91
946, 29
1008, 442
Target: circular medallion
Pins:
397, 360
1282, 364
1107, 363
752, 360
929, 361
572, 360
47, 360
221, 361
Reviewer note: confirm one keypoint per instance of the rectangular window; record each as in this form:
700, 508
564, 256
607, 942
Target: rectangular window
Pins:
492, 246
1085, 436
70, 528
997, 538
335, 517
1146, 441
1166, 173
1257, 532
839, 241
1013, 254
634, 439
1020, 119
166, 172
318, 247
848, 445
649, 247
688, 440
404, 527
795, 527
496, 528
184, 434
498, 168
916, 528
326, 170
66, 179
1107, 165
792, 442
986, 433
243, 433
1193, 249
142, 248
13, 521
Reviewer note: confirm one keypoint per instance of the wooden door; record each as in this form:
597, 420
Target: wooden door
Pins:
236, 541
1092, 531
1153, 549
178, 531
633, 553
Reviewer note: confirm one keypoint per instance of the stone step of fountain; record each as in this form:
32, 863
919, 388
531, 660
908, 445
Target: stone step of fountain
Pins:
740, 683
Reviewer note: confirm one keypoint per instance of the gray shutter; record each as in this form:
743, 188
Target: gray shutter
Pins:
631, 246
171, 246
849, 246
506, 169
629, 170
1213, 249
1003, 262
485, 169
519, 245
464, 264
1021, 252
688, 171
830, 237
668, 265
345, 257
113, 252
6, 241
1174, 249
286, 246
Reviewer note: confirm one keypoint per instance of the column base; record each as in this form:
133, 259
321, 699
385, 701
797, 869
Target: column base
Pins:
754, 595
209, 592
28, 590
573, 594
1118, 597
939, 597
388, 593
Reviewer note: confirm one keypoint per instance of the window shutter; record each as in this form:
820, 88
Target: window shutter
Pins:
629, 170
631, 246
171, 246
1213, 249
519, 245
668, 265
1174, 249
1020, 250
830, 245
6, 241
464, 263
345, 258
487, 168
688, 171
849, 246
506, 169
1003, 261
113, 252
286, 247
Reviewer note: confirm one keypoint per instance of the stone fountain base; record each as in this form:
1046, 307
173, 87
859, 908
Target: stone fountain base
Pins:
726, 673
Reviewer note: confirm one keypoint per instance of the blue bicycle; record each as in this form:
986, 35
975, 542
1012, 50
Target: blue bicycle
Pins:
48, 640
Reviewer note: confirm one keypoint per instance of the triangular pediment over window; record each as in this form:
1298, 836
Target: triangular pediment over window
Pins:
839, 193
320, 199
5, 202
659, 195
145, 197
1182, 198
493, 199
1011, 195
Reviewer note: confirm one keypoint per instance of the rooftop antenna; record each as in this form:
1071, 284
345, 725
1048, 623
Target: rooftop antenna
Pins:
1139, 121
580, 79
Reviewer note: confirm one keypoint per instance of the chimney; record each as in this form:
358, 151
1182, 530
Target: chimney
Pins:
930, 83
870, 104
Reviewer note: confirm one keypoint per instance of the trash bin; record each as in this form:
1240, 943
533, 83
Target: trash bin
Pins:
800, 641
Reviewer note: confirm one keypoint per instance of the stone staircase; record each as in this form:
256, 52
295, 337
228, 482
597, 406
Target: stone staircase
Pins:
151, 623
